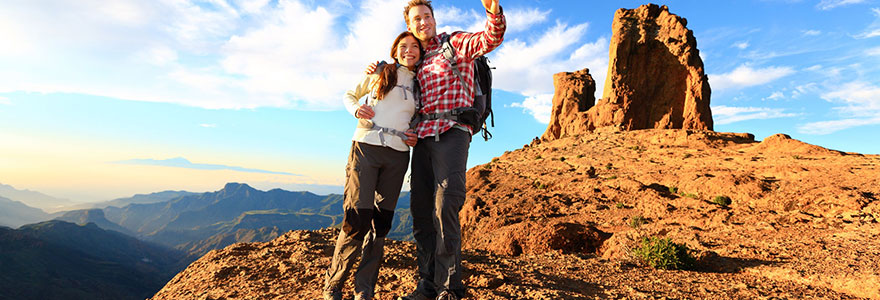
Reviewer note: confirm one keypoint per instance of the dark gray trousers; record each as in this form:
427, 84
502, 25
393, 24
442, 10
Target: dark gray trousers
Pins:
374, 176
437, 195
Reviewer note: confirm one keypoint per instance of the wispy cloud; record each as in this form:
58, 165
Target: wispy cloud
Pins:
830, 4
180, 162
861, 107
873, 30
539, 106
741, 45
829, 127
776, 96
746, 76
207, 125
728, 114
873, 51
811, 32
5, 101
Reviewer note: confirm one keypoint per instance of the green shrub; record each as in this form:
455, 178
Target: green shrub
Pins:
620, 205
689, 195
608, 166
538, 157
722, 200
673, 190
580, 156
687, 155
612, 177
662, 253
637, 221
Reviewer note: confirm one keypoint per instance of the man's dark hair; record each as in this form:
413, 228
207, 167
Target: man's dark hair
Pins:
414, 3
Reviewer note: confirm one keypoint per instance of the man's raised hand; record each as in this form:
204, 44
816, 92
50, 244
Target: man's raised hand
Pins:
492, 6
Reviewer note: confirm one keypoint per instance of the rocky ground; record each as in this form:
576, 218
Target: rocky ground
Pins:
559, 219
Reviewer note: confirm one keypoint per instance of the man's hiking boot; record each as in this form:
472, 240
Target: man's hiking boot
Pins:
332, 295
446, 295
415, 295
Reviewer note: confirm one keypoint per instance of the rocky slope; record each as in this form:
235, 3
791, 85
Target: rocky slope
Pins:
553, 220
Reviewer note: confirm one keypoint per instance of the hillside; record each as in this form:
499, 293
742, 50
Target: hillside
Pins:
553, 220
60, 260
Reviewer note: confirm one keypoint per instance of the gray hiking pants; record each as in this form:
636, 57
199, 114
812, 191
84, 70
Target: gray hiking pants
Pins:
374, 176
437, 195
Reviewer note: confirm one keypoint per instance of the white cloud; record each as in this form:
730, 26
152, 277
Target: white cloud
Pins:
862, 99
829, 127
873, 51
829, 4
805, 89
208, 125
5, 101
741, 45
775, 96
539, 106
727, 114
873, 30
812, 32
527, 67
861, 107
519, 20
746, 76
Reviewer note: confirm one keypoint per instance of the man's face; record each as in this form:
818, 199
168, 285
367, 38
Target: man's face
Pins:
421, 23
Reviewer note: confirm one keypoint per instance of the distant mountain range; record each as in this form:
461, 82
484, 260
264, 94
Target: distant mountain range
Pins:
61, 260
14, 213
127, 248
34, 199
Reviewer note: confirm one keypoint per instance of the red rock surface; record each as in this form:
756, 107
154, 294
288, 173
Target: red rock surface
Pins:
802, 224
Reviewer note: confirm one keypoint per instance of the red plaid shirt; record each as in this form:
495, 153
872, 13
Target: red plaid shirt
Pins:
440, 88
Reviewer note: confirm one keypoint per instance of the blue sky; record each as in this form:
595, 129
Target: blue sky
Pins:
104, 99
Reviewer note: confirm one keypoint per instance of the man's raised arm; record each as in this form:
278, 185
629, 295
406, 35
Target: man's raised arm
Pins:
473, 45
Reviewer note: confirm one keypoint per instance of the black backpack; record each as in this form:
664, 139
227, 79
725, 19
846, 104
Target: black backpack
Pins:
476, 115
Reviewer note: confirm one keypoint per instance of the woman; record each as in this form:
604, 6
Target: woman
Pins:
376, 166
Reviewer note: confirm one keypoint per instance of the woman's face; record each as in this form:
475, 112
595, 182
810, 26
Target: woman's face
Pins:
408, 52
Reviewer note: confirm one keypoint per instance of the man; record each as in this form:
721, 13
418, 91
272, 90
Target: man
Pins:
439, 158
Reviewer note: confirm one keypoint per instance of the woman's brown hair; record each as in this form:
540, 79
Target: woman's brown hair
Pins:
388, 74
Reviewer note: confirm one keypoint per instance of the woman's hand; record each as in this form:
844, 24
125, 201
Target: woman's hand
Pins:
364, 112
412, 138
371, 68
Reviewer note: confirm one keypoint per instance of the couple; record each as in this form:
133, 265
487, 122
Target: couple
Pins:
380, 153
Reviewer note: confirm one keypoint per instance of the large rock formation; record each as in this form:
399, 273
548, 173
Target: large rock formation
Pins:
655, 79
573, 97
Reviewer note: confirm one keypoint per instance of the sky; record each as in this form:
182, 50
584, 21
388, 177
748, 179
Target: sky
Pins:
105, 99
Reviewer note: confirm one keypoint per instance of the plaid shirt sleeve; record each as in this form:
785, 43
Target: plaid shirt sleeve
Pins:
441, 89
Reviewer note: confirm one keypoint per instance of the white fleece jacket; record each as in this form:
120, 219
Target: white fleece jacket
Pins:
394, 111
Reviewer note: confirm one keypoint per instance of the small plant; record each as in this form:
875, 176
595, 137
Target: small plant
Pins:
637, 221
487, 166
539, 185
580, 156
538, 157
495, 159
662, 253
689, 195
796, 156
673, 190
722, 200
562, 158
620, 205
609, 166
612, 177
687, 155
